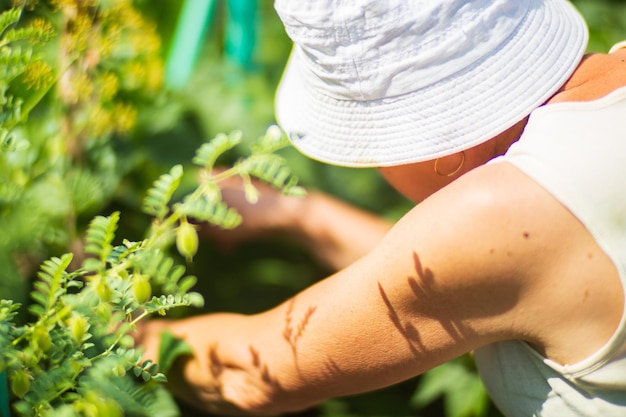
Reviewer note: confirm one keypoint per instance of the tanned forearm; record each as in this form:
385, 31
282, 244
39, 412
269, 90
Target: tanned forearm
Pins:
337, 233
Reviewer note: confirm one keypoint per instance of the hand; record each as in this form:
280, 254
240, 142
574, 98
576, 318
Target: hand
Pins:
147, 337
194, 379
333, 231
272, 213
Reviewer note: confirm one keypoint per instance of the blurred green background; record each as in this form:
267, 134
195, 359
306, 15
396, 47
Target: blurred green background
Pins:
231, 86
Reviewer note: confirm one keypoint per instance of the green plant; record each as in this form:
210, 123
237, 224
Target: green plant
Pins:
458, 383
77, 356
74, 76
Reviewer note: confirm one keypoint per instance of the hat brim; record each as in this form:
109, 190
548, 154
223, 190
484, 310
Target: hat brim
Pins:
454, 114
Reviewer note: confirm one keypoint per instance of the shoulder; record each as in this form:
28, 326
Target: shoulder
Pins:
596, 76
473, 247
497, 257
489, 212
485, 253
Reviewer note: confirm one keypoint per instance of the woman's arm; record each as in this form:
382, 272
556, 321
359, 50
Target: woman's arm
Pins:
471, 265
335, 232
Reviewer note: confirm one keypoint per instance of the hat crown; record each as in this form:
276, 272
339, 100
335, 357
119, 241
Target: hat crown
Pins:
371, 49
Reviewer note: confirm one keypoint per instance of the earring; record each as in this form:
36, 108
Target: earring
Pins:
453, 173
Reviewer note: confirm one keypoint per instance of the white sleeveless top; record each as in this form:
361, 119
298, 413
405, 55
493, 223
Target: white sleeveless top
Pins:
577, 151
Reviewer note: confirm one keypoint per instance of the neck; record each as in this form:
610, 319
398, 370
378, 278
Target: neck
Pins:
596, 76
503, 141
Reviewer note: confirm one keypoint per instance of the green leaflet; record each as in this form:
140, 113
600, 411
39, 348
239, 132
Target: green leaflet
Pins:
170, 349
458, 384
100, 235
210, 210
273, 170
158, 197
9, 17
163, 303
52, 284
209, 152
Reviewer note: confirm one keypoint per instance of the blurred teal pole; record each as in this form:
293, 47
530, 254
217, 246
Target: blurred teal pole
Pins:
190, 30
4, 395
241, 31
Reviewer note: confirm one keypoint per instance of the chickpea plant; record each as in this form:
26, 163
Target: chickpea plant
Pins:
74, 74
75, 78
77, 355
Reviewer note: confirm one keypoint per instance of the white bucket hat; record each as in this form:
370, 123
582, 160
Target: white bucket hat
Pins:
390, 82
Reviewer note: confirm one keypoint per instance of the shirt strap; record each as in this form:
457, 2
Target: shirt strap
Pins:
617, 46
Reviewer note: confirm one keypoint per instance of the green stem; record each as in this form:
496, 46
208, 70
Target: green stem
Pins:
168, 222
230, 172
119, 337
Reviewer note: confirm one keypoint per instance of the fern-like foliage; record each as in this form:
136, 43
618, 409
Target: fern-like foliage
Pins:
273, 170
8, 312
9, 18
162, 269
101, 385
10, 142
158, 197
17, 57
272, 141
214, 211
40, 31
100, 235
13, 62
206, 204
123, 252
77, 356
208, 153
86, 190
164, 303
52, 284
71, 356
11, 112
